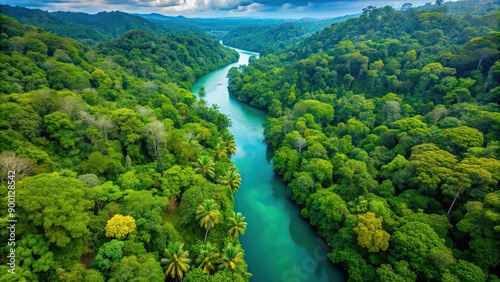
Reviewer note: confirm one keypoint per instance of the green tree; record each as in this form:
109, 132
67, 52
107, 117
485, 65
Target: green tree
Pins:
108, 253
326, 211
59, 205
237, 225
176, 260
461, 138
415, 242
208, 215
232, 259
466, 271
60, 127
228, 139
231, 178
370, 233
400, 273
220, 151
208, 258
140, 268
120, 226
205, 166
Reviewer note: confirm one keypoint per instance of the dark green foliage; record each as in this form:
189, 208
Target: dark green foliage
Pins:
96, 136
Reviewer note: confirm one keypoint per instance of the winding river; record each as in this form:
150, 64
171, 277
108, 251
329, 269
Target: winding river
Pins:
279, 244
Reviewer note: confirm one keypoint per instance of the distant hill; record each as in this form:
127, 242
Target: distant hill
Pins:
263, 40
87, 28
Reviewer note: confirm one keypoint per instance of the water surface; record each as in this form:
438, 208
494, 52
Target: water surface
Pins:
279, 244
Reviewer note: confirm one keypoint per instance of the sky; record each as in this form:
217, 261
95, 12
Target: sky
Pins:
217, 8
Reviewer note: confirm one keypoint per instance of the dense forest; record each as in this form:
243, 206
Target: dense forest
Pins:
386, 128
263, 40
120, 173
272, 38
86, 28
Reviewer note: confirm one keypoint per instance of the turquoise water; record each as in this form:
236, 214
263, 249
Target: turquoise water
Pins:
279, 244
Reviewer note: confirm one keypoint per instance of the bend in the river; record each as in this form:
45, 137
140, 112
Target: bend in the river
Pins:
279, 244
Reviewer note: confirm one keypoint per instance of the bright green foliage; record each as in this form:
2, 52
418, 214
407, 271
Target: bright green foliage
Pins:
177, 179
431, 165
176, 260
60, 128
416, 242
34, 257
320, 111
208, 258
205, 166
58, 204
228, 139
400, 273
461, 138
118, 115
326, 211
358, 268
146, 209
356, 180
208, 215
142, 268
286, 162
78, 273
466, 271
370, 233
106, 193
232, 259
108, 253
237, 225
231, 178
120, 226
301, 187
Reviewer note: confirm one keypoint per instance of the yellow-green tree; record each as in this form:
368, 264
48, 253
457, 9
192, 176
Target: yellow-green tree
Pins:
370, 233
208, 215
120, 226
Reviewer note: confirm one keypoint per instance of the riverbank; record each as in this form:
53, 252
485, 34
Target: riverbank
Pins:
279, 244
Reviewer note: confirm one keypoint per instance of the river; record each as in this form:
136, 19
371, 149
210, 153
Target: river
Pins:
279, 244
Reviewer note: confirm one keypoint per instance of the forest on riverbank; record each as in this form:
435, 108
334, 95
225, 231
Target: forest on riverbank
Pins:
120, 172
386, 128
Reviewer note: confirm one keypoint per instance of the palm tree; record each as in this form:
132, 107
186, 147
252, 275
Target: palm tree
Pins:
208, 215
228, 139
232, 259
208, 257
177, 260
237, 224
205, 166
220, 150
231, 178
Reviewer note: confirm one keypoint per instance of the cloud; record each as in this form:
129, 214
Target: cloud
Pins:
217, 8
254, 7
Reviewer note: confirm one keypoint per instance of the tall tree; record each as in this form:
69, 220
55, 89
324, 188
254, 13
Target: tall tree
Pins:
228, 140
205, 166
232, 259
237, 224
231, 178
176, 260
208, 258
59, 205
208, 215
